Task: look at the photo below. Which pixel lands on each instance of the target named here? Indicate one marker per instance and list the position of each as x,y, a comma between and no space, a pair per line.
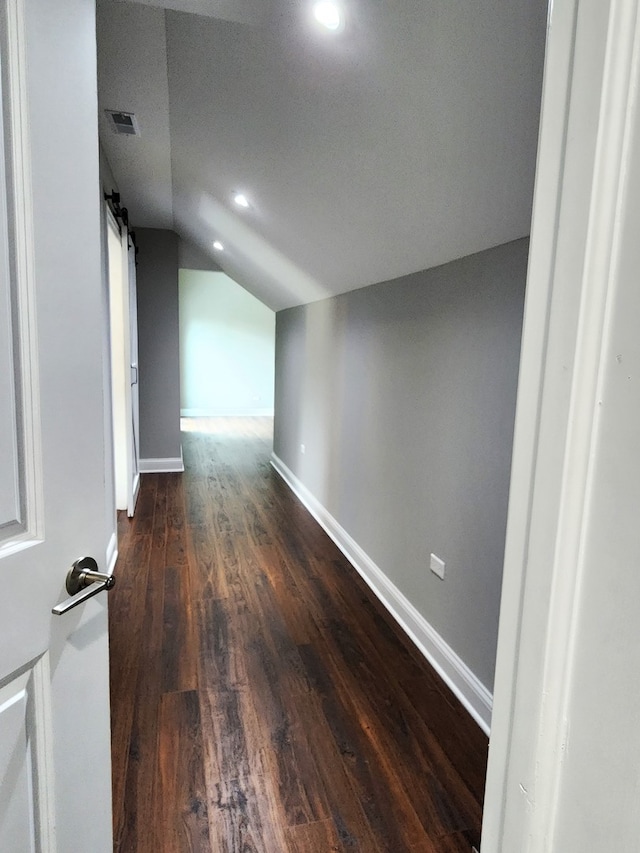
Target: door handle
135,367
83,582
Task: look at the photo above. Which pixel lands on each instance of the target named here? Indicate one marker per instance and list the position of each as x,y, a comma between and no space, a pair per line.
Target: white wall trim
112,553
227,413
165,465
452,669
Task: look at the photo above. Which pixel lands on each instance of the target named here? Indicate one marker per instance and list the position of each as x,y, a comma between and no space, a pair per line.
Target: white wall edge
226,413
134,494
112,553
168,465
475,697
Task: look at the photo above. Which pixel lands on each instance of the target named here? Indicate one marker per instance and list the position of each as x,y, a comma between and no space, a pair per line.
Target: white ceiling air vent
123,123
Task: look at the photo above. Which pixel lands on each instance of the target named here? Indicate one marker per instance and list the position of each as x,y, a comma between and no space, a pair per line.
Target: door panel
26,817
20,462
54,703
18,806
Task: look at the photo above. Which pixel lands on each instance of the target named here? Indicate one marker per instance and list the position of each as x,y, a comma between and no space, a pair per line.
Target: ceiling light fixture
328,13
218,246
241,200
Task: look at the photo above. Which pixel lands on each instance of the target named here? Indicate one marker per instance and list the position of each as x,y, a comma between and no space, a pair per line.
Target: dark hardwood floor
262,699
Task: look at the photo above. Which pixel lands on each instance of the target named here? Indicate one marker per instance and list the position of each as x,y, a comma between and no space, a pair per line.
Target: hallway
262,699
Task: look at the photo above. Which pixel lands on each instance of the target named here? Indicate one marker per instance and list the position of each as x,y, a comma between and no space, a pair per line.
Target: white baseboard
167,465
453,670
112,553
227,413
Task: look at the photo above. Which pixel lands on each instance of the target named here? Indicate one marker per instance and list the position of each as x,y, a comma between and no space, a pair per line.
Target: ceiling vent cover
123,123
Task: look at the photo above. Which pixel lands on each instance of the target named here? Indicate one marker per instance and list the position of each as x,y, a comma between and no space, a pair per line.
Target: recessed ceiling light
328,13
241,200
218,246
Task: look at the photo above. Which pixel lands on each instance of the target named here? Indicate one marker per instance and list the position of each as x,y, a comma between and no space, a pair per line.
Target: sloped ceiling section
402,142
132,77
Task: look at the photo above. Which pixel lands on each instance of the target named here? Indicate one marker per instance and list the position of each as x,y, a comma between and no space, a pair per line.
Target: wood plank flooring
262,699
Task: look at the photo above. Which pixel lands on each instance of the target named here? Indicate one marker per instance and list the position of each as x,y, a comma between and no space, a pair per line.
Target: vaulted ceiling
401,142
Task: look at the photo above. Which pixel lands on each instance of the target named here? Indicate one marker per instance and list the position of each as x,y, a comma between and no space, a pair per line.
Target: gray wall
403,394
107,178
158,352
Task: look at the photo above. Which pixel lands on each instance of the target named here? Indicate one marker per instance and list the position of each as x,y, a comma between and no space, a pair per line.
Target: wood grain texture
182,817
263,701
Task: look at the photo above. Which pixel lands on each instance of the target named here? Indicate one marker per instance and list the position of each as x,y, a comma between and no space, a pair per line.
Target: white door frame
590,101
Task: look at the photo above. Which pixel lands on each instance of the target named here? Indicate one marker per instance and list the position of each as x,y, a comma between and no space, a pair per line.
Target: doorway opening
227,348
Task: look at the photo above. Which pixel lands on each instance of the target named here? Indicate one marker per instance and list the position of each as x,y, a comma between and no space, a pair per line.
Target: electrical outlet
437,566
302,448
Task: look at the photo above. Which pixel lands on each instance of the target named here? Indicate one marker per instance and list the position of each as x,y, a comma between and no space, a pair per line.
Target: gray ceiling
403,142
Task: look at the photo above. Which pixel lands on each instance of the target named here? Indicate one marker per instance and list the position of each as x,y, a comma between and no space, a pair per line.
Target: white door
54,703
135,404
123,313
118,263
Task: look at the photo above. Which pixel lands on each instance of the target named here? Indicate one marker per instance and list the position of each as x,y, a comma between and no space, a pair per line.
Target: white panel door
54,702
120,358
135,396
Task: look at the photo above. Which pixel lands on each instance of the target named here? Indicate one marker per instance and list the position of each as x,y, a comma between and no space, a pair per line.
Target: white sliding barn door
120,359
54,702
135,395
123,311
